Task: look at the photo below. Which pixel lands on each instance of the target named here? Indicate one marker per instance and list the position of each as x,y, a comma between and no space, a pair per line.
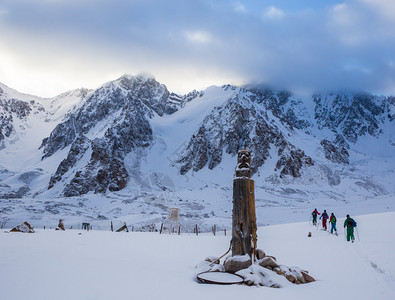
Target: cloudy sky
50,46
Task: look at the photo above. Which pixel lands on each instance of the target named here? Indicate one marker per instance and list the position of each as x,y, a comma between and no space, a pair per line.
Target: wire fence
162,227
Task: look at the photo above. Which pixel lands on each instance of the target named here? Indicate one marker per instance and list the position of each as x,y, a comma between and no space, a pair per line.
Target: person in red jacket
324,217
315,213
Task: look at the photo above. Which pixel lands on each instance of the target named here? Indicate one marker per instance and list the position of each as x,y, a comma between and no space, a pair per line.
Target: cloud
191,44
273,13
201,37
240,8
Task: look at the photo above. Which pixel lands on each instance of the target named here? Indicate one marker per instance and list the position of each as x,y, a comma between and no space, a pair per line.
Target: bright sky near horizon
50,46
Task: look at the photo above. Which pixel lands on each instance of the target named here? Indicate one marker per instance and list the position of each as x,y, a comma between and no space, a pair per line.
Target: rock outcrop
24,227
336,154
117,116
242,123
351,115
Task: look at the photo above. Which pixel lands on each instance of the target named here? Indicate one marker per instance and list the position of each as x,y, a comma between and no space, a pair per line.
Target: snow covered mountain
132,147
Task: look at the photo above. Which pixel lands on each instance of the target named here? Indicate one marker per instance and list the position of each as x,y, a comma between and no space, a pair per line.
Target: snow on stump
236,263
24,227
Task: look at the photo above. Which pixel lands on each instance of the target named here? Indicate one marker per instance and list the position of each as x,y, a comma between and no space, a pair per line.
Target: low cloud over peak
304,45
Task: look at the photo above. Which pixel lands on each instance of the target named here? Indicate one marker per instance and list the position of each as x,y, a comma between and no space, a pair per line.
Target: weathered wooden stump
244,237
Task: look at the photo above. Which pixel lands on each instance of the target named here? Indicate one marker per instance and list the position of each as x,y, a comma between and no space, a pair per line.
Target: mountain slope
113,121
134,147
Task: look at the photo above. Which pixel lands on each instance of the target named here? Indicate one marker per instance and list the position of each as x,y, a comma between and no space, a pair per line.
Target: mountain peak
141,75
140,78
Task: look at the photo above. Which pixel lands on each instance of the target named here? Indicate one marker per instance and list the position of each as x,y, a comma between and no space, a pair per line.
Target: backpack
351,223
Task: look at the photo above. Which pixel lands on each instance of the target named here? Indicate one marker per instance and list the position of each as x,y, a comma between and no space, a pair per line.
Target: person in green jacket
332,221
350,224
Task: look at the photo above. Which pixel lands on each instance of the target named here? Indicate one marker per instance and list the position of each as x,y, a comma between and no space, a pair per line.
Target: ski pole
356,229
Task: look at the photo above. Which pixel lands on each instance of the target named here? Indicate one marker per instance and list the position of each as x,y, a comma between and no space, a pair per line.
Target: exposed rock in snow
24,227
12,110
241,124
7,192
236,263
351,116
77,150
267,262
336,154
121,110
98,141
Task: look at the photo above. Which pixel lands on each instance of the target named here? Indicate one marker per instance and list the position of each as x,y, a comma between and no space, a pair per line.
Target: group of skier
349,223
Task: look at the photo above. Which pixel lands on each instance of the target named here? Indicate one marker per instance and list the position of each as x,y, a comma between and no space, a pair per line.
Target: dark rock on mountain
350,116
77,150
97,129
334,153
292,161
282,105
121,109
10,193
10,108
236,125
116,97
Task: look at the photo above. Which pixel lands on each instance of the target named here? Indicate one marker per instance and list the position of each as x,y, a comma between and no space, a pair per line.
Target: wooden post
161,228
112,227
179,229
244,237
225,231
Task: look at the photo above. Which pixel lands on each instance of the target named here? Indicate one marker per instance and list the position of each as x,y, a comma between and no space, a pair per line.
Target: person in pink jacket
324,218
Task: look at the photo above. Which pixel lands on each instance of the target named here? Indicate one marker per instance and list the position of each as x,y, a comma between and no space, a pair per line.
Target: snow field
105,265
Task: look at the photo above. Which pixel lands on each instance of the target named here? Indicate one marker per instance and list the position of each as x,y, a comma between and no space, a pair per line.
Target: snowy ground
104,265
